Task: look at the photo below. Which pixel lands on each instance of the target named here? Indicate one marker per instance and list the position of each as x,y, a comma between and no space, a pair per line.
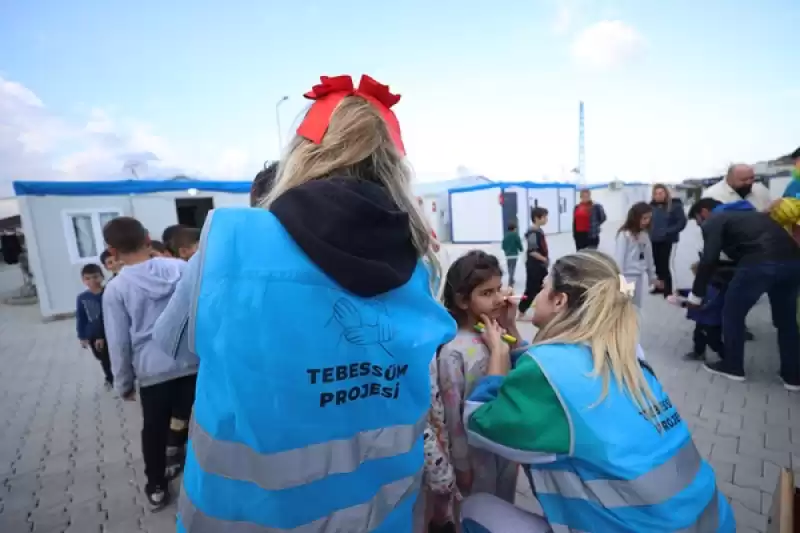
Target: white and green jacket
596,465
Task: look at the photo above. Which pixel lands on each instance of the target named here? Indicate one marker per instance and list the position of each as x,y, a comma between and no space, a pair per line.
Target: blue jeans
781,282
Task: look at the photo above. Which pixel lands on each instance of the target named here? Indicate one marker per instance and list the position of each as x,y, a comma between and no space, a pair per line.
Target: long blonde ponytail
600,314
357,144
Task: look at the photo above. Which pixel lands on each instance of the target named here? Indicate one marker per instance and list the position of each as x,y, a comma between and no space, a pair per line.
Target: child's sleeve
171,326
81,320
518,417
518,242
601,214
118,339
621,250
648,257
451,386
439,473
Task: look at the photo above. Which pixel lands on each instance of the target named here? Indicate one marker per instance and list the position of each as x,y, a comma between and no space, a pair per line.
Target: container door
546,197
476,216
566,200
510,209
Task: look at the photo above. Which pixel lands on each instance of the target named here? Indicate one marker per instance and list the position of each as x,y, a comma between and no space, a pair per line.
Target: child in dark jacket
708,317
512,246
537,259
89,319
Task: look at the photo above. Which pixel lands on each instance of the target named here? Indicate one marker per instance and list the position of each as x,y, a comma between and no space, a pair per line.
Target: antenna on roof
581,148
133,167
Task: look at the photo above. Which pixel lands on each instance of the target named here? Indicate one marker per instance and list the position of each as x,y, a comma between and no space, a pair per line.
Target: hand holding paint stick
516,298
479,327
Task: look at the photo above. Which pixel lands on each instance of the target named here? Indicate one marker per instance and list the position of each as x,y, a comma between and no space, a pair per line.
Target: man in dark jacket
669,220
767,262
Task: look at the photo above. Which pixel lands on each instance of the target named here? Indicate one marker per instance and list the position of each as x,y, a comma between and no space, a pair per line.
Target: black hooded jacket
747,238
352,230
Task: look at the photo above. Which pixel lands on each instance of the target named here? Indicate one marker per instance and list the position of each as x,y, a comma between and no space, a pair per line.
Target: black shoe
749,336
719,369
158,498
694,356
441,528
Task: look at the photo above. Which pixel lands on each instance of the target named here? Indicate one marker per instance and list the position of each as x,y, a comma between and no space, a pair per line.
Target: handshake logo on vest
363,325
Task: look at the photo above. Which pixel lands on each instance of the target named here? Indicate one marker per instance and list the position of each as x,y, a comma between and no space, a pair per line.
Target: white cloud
37,144
563,19
607,44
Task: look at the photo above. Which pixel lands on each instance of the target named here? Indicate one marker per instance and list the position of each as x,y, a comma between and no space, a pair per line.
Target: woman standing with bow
315,322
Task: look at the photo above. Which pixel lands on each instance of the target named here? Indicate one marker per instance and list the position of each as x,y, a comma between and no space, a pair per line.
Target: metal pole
278,123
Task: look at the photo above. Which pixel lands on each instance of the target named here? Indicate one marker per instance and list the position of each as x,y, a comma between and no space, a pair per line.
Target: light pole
278,122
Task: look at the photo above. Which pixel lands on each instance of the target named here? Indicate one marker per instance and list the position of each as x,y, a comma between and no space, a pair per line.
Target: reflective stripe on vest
363,517
292,468
707,522
652,488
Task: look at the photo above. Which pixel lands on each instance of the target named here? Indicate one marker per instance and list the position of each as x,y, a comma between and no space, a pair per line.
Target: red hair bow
331,91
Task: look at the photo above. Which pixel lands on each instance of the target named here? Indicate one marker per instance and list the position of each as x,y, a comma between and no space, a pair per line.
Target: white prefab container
433,199
481,214
63,223
618,197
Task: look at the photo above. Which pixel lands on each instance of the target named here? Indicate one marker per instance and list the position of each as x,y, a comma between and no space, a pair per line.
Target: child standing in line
157,249
184,241
89,319
634,252
110,263
512,246
131,305
474,293
537,259
168,234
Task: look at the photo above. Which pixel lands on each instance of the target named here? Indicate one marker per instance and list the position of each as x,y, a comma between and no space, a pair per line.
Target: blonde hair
667,193
357,144
600,315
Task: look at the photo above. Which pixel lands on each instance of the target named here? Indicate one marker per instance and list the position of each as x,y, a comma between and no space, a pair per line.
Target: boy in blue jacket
708,317
89,319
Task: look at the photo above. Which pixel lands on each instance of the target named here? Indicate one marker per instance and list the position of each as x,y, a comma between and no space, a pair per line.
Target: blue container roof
520,184
124,187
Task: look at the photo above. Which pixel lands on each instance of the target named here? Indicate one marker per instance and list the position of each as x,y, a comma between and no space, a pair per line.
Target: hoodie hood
156,277
739,205
352,230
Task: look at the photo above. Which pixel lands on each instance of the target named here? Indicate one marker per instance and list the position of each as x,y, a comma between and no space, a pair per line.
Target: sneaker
158,498
719,369
694,356
789,386
108,385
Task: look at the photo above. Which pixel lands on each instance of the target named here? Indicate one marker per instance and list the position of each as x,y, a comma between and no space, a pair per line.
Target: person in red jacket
586,221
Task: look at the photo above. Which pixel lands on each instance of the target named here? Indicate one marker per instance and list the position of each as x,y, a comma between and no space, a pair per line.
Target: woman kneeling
604,448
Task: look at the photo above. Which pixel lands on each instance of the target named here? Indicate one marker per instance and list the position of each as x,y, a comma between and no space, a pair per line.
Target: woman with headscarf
315,322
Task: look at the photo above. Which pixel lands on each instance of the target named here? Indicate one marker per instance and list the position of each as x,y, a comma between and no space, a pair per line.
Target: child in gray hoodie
633,251
132,303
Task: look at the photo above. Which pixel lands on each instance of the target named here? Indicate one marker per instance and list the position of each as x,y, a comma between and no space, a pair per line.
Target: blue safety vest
622,474
311,402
